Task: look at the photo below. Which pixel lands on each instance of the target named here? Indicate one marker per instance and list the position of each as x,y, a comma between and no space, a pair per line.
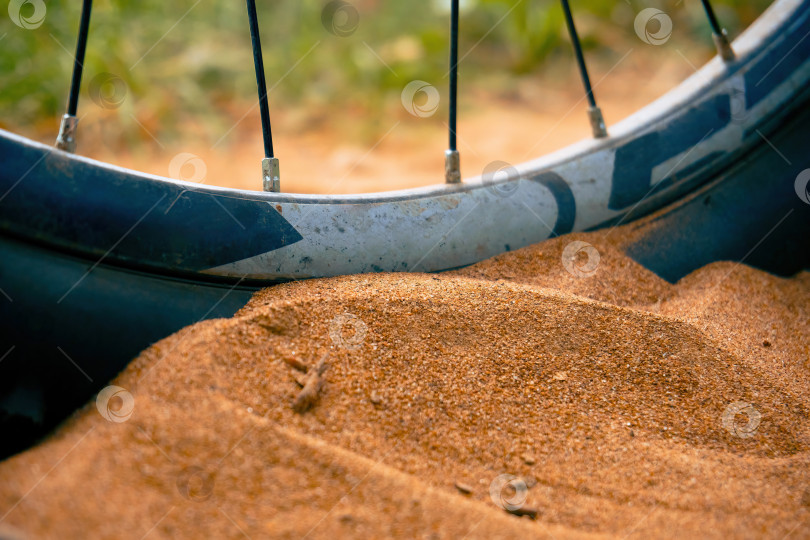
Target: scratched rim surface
121,217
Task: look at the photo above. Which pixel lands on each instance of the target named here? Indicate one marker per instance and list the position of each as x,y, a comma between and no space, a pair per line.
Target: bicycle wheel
99,258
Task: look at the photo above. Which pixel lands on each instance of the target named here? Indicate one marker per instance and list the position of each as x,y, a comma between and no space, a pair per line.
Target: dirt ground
614,405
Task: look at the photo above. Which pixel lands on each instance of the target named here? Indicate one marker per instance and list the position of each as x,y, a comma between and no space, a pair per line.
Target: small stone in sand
466,489
529,511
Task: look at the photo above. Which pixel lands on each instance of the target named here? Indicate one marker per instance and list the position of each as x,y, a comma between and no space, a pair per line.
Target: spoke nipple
66,140
723,46
597,122
271,180
452,167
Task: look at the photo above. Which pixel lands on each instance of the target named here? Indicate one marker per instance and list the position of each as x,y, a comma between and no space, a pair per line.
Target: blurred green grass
191,60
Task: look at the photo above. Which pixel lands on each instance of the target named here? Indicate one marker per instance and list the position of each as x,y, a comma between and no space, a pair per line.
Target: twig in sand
312,386
295,363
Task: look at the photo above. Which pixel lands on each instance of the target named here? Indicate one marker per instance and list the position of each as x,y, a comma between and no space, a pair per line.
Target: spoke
594,112
270,165
66,140
719,34
452,168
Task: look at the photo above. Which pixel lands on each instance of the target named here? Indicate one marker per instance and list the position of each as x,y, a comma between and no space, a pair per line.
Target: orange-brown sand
622,406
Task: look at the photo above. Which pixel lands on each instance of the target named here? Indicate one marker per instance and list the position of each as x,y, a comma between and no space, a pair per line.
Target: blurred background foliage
189,63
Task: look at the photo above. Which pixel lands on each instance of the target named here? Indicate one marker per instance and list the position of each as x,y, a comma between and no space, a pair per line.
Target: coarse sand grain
619,405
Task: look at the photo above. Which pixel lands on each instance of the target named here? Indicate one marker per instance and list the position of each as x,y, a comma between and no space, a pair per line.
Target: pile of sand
620,405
